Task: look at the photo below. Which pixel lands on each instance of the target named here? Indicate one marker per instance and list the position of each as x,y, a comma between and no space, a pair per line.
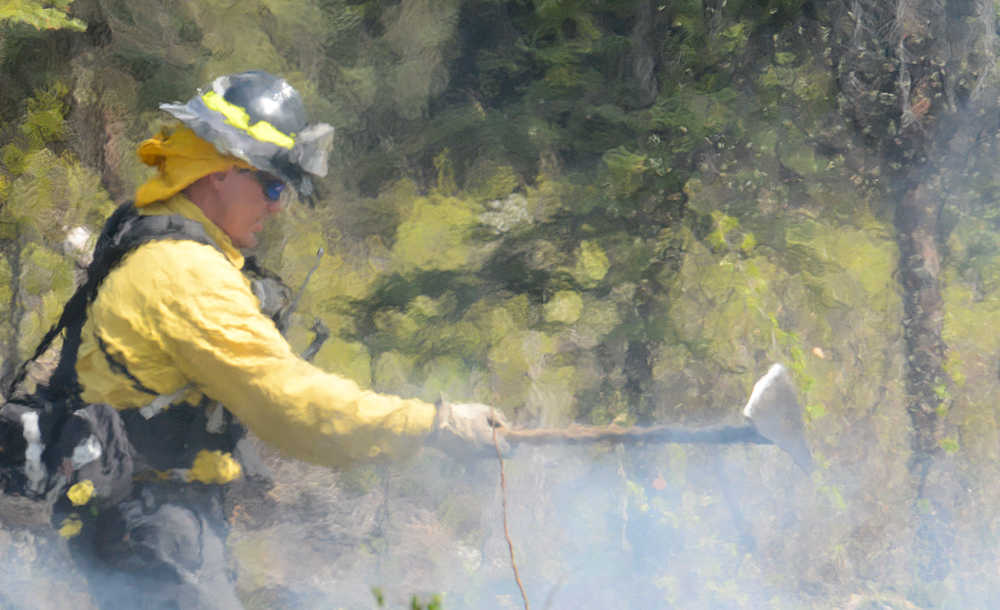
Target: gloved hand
467,428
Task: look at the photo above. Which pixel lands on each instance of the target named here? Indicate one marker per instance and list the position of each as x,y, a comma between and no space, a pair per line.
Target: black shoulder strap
124,231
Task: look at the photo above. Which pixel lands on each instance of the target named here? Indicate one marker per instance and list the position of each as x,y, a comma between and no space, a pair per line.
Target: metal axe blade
774,411
773,416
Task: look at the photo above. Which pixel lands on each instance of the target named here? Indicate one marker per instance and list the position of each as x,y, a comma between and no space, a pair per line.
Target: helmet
260,118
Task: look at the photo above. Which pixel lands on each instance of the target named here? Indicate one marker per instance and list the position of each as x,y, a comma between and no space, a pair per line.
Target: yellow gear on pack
70,527
214,467
180,158
178,312
81,492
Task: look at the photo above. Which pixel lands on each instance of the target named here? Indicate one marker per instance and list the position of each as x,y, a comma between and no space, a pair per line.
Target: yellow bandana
180,158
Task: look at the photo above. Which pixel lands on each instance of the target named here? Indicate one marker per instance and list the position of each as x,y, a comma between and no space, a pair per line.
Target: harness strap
121,369
123,232
45,426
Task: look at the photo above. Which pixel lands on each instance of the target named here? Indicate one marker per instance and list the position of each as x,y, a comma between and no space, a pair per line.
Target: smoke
35,570
602,525
592,526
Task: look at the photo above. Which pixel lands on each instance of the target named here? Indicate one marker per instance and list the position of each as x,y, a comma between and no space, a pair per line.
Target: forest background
581,211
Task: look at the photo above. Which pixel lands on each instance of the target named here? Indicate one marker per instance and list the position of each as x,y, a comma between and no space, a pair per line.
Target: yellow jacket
179,312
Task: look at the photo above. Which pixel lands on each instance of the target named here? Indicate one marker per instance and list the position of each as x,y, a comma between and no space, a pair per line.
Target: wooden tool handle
662,434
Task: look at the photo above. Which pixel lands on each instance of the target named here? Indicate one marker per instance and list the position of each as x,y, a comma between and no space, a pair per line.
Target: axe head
774,410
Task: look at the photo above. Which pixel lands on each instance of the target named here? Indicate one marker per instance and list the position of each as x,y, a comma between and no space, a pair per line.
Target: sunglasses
272,187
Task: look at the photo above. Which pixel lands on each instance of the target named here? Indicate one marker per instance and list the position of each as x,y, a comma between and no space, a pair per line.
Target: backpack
51,439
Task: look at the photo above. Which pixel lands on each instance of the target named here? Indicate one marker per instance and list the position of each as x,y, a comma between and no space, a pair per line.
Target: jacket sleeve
209,323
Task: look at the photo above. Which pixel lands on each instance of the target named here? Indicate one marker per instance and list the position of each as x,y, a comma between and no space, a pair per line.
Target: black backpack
50,439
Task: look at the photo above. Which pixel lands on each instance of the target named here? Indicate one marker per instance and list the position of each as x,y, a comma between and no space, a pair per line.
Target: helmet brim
307,157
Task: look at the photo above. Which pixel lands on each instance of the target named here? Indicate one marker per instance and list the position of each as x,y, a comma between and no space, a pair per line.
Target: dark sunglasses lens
273,188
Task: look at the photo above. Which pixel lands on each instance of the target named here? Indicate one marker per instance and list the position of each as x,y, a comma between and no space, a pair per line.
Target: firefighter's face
247,199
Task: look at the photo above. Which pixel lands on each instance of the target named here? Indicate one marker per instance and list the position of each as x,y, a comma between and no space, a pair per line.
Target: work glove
467,429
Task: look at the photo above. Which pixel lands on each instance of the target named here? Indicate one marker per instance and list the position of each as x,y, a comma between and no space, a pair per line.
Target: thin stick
668,434
506,530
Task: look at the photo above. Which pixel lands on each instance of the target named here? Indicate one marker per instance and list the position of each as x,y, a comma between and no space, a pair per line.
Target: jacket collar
181,205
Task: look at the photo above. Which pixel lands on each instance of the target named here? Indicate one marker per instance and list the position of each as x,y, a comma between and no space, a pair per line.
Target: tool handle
661,434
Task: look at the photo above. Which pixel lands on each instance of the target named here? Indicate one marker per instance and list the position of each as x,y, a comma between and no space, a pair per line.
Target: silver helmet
259,118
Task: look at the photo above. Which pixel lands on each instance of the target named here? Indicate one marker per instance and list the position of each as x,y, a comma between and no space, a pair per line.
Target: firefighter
175,341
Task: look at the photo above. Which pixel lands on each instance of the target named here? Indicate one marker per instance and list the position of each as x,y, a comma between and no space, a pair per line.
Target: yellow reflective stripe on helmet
266,132
238,117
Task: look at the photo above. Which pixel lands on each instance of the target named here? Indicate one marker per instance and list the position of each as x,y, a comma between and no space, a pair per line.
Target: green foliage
814,411
49,192
13,160
445,174
487,180
625,170
690,116
44,271
796,154
435,234
591,264
807,84
6,291
52,194
434,603
45,283
46,112
724,226
420,34
349,359
43,123
564,307
41,14
393,371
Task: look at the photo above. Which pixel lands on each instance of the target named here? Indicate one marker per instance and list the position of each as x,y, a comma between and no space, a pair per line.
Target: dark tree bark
911,76
643,55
